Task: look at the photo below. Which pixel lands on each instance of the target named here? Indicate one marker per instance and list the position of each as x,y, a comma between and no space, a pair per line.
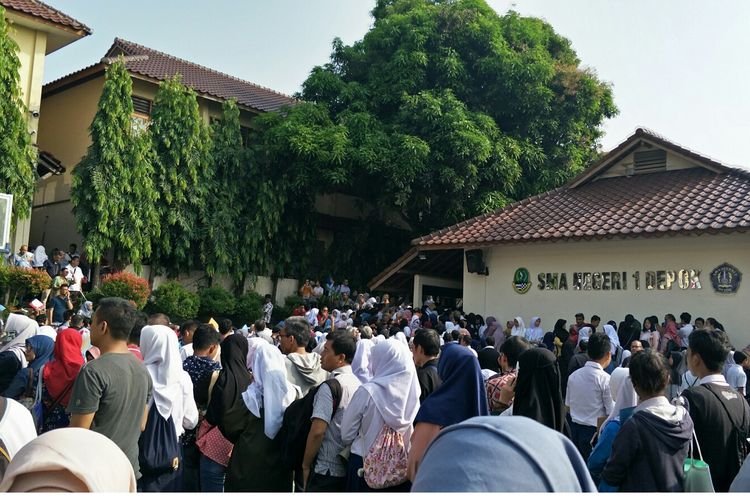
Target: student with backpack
720,414
378,421
323,469
172,411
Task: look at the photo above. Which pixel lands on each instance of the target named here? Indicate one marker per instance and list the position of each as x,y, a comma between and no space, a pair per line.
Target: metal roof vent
646,162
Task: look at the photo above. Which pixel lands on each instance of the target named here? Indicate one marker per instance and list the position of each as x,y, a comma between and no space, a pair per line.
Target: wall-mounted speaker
475,262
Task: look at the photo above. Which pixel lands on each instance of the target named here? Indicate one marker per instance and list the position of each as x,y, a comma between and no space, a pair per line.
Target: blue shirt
59,306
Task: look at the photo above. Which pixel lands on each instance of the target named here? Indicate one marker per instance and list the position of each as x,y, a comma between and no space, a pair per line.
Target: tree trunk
95,277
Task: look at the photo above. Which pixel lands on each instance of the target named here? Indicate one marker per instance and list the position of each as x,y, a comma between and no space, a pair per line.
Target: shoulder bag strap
214,378
30,383
729,414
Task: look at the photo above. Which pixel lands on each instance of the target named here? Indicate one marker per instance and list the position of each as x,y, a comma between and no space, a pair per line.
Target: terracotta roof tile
159,66
690,200
46,12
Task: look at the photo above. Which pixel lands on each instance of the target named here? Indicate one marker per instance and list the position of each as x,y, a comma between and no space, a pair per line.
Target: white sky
678,67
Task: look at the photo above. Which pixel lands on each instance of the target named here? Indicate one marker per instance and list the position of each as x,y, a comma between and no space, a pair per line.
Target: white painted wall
420,280
494,294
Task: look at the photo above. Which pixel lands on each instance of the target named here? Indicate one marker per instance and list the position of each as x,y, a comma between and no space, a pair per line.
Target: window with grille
142,106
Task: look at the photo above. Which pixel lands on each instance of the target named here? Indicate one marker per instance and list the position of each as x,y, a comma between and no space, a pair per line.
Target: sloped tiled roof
695,200
160,66
42,10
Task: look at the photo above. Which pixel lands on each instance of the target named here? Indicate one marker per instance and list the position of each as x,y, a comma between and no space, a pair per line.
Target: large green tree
114,200
181,143
443,111
16,154
221,252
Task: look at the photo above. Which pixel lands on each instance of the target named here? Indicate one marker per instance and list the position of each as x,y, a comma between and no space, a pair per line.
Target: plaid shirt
494,388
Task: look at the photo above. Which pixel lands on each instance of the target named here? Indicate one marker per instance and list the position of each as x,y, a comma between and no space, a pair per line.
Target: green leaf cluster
17,156
443,111
113,192
176,301
182,175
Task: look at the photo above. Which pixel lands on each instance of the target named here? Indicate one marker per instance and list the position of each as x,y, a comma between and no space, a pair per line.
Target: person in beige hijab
70,460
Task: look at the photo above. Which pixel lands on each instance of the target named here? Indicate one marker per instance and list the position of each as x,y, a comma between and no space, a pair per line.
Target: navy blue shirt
59,306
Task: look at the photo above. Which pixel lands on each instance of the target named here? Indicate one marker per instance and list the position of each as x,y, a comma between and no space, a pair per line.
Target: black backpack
735,454
158,449
296,425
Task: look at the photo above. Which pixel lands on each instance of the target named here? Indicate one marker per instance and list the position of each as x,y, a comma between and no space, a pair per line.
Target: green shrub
215,302
249,308
127,286
18,282
176,301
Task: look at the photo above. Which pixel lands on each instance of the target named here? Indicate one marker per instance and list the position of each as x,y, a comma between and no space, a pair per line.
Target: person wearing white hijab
312,317
401,337
626,400
534,332
583,334
24,328
48,331
173,388
613,338
70,460
390,398
252,346
40,257
256,463
519,329
361,361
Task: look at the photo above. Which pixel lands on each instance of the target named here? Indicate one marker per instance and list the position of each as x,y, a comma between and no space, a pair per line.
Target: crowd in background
370,395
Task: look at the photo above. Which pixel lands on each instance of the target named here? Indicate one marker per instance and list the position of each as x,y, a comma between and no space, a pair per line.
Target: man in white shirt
261,330
322,468
588,398
685,329
344,288
74,274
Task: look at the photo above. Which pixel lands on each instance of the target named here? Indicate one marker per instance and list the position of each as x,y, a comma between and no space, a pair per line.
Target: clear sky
678,67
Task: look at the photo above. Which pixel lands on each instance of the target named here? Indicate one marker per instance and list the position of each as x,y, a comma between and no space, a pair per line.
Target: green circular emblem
521,280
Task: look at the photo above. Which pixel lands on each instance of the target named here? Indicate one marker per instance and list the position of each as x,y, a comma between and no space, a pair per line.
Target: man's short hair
447,337
649,372
670,317
298,328
595,318
599,346
739,357
189,326
159,319
141,320
580,315
428,340
119,315
712,347
583,345
204,337
76,321
225,325
455,334
465,338
513,348
490,341
259,325
342,342
685,317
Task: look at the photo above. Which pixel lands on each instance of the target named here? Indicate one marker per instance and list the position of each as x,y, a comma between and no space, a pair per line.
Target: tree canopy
113,194
443,111
16,154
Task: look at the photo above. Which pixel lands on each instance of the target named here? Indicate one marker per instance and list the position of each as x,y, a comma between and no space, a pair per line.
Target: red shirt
136,351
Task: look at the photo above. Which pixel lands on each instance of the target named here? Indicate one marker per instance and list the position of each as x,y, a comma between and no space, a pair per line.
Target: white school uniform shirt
76,275
588,395
683,333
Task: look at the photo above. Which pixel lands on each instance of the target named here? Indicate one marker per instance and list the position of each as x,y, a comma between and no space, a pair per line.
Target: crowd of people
379,396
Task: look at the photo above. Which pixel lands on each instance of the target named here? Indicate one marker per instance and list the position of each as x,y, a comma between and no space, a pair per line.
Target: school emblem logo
726,278
521,280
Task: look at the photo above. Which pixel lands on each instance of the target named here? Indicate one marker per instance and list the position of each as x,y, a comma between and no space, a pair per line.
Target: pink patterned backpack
386,463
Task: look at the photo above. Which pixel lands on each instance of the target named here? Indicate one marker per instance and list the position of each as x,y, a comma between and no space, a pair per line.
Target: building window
245,133
142,106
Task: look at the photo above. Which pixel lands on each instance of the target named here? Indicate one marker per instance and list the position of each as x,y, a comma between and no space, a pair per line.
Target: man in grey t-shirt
324,442
111,393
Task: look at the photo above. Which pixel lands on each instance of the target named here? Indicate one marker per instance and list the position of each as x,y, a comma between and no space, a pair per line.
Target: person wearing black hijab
628,330
226,397
537,389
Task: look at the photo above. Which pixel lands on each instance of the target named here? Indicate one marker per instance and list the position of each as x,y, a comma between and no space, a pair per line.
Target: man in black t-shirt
720,414
425,350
